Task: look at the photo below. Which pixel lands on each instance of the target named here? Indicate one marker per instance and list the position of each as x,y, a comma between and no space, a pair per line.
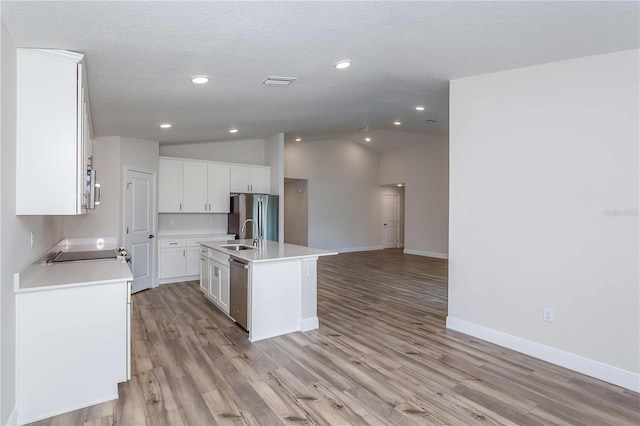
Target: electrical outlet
547,314
31,239
310,270
172,222
211,221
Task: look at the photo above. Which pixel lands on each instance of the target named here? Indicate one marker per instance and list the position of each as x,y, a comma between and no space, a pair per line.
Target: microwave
91,191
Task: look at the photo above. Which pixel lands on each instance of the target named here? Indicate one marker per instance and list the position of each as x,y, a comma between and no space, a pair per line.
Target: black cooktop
73,256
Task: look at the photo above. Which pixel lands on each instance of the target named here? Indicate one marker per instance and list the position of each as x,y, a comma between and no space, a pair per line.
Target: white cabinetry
169,185
250,179
192,186
214,277
53,134
72,347
173,259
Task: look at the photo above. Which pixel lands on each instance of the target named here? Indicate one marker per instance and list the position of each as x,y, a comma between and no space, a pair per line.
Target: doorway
393,216
139,226
296,211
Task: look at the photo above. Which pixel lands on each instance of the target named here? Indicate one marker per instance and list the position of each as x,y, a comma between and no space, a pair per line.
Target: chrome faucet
255,230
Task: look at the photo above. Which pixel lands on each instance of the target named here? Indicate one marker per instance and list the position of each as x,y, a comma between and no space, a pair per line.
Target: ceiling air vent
280,80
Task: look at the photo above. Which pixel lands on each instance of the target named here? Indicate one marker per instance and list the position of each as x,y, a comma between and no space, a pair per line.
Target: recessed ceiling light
233,131
397,123
367,139
298,139
165,126
419,108
400,184
199,79
343,64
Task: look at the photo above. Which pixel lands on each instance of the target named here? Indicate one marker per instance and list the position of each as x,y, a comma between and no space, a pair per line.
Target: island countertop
267,251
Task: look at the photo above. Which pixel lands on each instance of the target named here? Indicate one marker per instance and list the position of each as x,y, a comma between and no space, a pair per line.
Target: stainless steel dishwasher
238,291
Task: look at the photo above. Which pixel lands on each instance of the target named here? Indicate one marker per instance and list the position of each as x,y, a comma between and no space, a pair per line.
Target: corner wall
344,207
424,170
236,151
544,212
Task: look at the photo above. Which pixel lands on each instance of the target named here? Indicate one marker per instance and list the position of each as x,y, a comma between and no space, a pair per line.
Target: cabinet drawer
219,257
193,242
171,243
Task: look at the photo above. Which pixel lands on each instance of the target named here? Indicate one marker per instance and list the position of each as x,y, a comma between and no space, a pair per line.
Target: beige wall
544,210
344,207
424,170
296,212
237,151
16,252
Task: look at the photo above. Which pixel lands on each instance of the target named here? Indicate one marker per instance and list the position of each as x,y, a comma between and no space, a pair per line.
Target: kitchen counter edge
267,251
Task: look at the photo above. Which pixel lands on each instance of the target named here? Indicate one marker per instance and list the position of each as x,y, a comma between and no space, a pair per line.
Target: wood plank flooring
382,356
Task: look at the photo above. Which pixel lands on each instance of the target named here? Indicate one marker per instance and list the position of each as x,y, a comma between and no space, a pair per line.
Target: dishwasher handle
239,263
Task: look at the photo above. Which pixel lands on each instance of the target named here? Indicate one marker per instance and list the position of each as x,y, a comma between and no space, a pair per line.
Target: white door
139,227
390,221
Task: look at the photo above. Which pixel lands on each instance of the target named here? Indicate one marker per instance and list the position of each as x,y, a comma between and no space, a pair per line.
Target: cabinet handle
209,206
180,206
173,244
184,253
205,207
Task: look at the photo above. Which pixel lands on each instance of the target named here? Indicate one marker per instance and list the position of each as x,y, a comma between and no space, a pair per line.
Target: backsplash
214,222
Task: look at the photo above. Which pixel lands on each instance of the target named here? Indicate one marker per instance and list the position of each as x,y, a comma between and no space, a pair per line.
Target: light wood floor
382,355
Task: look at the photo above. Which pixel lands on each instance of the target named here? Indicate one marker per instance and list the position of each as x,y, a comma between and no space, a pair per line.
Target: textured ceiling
140,56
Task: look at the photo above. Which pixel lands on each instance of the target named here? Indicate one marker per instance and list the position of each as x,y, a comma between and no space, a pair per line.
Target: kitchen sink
237,247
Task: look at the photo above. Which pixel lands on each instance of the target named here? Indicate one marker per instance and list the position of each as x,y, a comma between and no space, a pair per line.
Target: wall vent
279,80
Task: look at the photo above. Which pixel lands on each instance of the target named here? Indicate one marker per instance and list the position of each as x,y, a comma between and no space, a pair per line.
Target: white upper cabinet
188,186
218,188
170,186
250,179
53,134
194,187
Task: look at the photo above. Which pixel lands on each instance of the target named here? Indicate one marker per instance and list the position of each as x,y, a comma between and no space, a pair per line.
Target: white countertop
42,276
267,251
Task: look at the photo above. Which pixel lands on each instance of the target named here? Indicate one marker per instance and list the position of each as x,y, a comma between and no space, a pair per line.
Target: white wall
296,212
274,157
344,207
423,169
544,212
16,252
110,156
237,151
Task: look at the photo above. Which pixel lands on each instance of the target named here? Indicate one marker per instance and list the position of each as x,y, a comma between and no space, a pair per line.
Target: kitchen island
281,284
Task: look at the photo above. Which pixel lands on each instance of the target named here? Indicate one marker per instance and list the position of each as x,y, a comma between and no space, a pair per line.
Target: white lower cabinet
179,259
72,347
214,278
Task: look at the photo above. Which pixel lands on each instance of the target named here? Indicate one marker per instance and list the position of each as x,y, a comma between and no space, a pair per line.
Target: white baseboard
426,253
163,281
353,249
13,417
590,367
309,324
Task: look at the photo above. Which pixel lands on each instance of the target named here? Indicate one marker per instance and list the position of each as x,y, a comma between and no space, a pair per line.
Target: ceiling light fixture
419,108
397,123
233,131
400,184
200,79
343,64
298,139
367,139
165,126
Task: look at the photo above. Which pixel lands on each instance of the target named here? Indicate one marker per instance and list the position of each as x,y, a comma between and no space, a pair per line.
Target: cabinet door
218,188
204,275
172,262
215,281
224,290
169,186
193,261
240,179
194,187
260,180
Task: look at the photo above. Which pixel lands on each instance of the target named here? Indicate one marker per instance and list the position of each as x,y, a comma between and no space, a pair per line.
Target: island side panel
275,298
309,319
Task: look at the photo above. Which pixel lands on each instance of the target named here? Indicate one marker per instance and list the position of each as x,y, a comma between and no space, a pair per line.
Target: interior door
140,227
390,220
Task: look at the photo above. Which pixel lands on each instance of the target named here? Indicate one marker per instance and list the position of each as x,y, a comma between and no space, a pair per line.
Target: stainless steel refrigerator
260,207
